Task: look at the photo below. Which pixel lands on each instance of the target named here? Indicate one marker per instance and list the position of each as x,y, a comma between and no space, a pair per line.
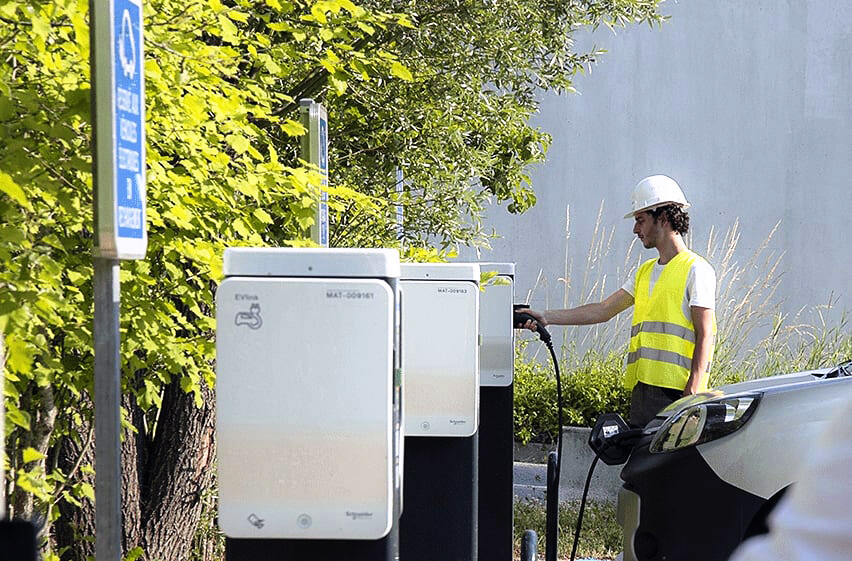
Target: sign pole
118,169
107,411
315,151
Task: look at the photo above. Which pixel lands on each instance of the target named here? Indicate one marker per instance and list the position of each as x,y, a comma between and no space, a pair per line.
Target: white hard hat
654,191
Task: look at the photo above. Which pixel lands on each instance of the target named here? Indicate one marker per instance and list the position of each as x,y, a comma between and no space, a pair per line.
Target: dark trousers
646,401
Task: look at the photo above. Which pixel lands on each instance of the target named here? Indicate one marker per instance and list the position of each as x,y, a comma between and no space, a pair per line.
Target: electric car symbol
255,521
250,318
127,46
707,471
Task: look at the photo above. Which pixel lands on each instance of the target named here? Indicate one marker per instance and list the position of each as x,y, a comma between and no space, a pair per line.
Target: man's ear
663,219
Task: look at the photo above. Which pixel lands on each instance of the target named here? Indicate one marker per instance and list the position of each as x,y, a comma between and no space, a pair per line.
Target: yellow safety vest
662,339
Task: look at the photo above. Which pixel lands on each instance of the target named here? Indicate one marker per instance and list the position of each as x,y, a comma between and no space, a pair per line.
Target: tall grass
755,336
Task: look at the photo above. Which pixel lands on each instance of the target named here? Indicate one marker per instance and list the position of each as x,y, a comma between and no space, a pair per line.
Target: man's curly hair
674,215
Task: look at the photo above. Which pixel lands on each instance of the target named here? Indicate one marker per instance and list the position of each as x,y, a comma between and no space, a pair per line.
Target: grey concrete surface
746,104
530,472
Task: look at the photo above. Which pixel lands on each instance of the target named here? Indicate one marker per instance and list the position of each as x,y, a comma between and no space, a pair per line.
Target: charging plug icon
250,318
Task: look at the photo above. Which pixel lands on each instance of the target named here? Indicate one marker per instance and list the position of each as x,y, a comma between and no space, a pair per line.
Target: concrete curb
531,475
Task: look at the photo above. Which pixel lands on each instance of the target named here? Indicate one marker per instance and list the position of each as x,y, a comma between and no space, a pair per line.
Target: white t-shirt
700,285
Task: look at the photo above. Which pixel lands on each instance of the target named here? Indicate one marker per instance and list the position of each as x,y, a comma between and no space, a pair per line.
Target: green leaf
87,491
134,554
31,455
229,30
18,417
263,216
238,16
8,186
400,71
238,142
293,128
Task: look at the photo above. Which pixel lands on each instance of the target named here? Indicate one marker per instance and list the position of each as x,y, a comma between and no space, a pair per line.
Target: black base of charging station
439,517
386,549
17,541
496,463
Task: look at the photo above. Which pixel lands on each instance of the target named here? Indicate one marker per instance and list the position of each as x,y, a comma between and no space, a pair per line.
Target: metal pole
551,532
107,411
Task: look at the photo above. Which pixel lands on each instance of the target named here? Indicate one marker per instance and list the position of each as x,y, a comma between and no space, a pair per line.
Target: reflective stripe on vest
662,338
660,356
663,327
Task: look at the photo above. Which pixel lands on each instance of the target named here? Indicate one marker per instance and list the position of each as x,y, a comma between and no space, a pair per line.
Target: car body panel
773,444
697,503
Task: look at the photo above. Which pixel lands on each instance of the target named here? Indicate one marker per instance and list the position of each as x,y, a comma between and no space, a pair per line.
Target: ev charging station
440,363
308,404
496,424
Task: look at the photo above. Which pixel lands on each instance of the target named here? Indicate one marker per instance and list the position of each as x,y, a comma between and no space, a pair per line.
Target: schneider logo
349,295
359,515
457,422
452,290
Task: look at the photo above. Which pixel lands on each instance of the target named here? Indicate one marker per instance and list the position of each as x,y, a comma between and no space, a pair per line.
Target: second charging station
440,360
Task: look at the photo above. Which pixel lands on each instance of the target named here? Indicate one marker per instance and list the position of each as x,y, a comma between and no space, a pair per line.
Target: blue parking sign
119,86
128,119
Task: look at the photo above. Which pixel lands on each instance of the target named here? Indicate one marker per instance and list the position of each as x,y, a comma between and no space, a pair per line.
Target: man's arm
702,319
586,314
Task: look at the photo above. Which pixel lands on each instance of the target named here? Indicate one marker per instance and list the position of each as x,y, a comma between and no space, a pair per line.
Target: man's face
647,230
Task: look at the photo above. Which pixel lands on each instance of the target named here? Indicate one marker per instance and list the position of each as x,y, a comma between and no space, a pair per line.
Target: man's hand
692,387
530,324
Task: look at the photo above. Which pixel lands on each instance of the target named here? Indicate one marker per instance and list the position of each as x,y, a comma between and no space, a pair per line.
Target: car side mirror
612,439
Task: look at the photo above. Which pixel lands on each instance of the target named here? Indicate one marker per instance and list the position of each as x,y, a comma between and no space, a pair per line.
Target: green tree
443,92
215,178
457,124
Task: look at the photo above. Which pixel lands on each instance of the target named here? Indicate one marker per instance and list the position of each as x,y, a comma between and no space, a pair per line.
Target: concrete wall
746,104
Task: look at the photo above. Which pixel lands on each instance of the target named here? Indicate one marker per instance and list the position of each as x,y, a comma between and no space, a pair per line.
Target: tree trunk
163,479
74,531
179,471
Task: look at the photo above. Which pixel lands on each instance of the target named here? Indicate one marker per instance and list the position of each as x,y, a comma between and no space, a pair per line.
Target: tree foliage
441,90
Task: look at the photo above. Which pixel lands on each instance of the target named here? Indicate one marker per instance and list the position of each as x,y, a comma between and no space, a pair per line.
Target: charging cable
624,438
520,319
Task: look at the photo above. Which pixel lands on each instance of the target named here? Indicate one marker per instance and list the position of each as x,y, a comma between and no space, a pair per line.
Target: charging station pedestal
496,424
308,404
440,358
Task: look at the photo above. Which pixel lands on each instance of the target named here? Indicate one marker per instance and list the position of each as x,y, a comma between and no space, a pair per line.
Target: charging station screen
304,407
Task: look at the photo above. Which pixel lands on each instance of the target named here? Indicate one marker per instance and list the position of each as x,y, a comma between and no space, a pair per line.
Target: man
673,327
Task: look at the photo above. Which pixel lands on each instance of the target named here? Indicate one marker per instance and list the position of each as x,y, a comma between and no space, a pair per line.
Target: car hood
759,384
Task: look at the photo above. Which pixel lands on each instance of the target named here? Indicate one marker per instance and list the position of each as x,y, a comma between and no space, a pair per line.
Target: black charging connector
519,320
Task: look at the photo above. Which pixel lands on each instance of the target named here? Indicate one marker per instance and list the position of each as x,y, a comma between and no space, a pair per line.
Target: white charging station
307,393
496,424
440,359
497,353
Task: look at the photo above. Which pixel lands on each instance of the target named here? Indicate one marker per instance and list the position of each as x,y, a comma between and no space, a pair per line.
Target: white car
708,469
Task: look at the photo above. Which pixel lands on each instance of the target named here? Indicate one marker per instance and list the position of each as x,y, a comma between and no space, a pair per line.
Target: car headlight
704,422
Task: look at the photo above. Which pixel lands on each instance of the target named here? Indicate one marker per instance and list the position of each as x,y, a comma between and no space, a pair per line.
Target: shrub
591,385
